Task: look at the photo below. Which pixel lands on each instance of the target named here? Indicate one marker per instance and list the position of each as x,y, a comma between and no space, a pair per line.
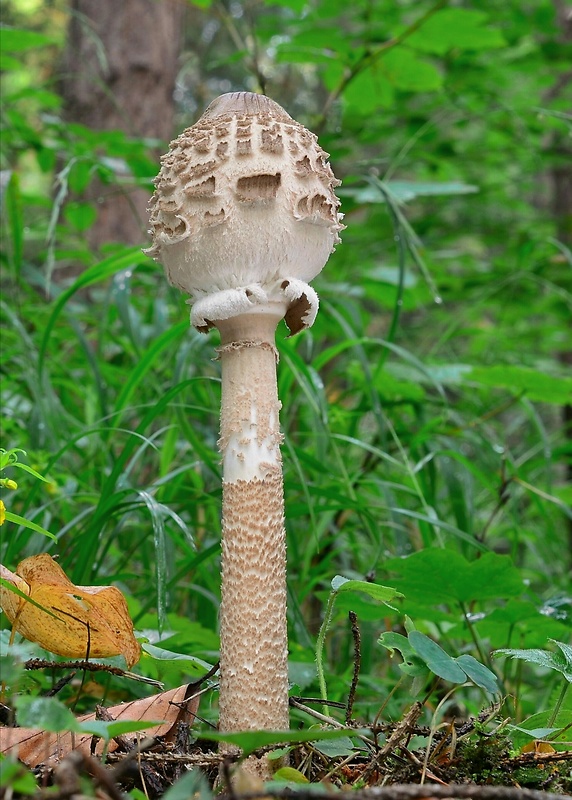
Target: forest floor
461,759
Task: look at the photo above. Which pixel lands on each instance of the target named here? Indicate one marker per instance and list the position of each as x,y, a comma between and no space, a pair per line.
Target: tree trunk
561,175
119,71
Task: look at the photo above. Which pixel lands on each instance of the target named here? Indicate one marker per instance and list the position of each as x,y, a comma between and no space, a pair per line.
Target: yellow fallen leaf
73,621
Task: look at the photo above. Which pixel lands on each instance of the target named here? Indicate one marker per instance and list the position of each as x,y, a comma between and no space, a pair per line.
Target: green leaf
413,665
14,40
406,71
479,674
30,471
543,658
16,779
80,216
382,594
249,741
8,63
44,712
566,652
368,91
559,727
337,748
436,575
290,774
456,29
108,730
26,523
533,384
167,658
192,784
436,658
295,5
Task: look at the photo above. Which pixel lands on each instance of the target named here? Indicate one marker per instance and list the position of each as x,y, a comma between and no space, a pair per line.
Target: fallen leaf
33,746
72,621
538,747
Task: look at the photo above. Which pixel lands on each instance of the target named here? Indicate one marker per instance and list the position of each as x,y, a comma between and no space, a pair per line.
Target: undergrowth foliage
424,444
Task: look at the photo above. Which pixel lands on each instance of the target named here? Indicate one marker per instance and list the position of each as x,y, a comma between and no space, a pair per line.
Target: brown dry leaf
33,746
84,620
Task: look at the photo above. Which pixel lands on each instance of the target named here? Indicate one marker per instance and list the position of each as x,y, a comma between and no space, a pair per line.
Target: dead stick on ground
416,792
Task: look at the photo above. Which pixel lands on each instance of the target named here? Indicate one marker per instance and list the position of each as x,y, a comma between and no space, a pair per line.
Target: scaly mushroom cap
244,212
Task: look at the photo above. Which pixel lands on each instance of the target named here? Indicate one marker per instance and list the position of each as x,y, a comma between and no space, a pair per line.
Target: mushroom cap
244,201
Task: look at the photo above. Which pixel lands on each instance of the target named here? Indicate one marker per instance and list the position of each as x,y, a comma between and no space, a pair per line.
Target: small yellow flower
10,484
2,513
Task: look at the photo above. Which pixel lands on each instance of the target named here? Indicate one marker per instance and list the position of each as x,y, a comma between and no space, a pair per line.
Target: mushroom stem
253,664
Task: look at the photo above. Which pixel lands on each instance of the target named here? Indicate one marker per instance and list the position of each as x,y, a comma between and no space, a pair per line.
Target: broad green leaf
435,576
566,651
337,748
396,641
534,733
405,70
560,727
14,40
370,90
293,775
456,29
295,5
532,383
8,63
16,779
166,658
383,594
108,730
249,741
412,665
436,658
44,712
192,784
81,216
543,658
479,674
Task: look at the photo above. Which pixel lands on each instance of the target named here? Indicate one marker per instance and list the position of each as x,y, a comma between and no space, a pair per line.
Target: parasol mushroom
243,216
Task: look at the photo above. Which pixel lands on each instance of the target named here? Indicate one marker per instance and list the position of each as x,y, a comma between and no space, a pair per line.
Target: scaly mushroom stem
253,669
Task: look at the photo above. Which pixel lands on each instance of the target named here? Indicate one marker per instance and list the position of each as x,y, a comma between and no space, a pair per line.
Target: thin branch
370,57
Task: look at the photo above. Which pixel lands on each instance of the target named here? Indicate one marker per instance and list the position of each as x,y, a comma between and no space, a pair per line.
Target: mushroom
243,216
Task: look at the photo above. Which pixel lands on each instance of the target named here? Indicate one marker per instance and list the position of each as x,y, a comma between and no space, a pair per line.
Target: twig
415,792
402,731
89,666
370,57
60,684
357,664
